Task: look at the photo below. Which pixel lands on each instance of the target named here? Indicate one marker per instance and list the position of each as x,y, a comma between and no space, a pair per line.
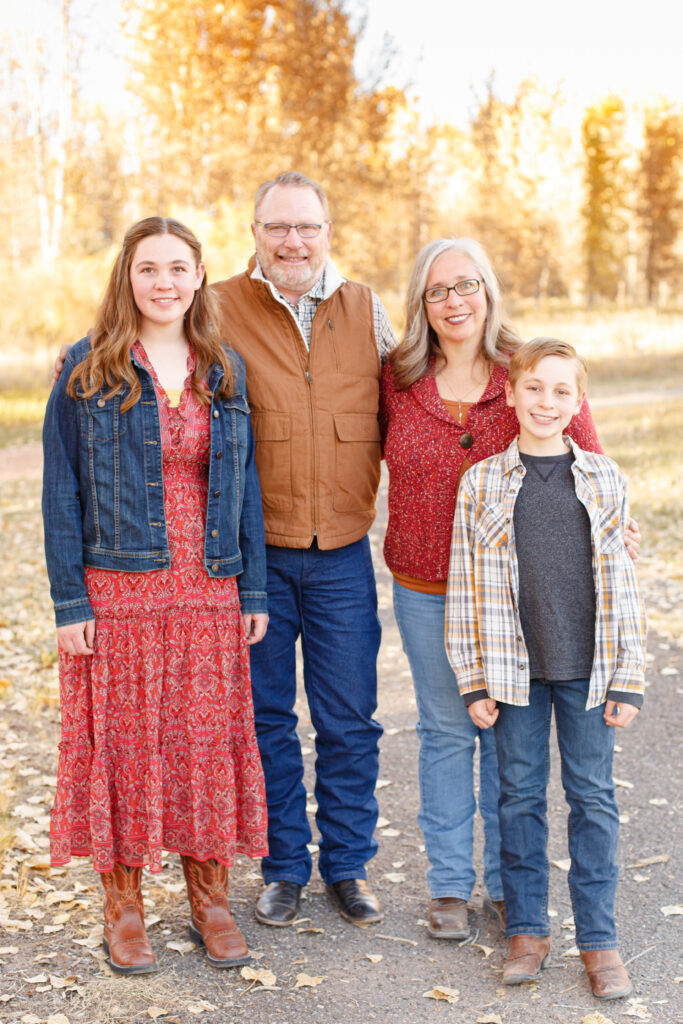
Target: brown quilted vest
314,414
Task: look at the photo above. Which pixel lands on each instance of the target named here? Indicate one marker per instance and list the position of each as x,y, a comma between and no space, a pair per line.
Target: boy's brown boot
527,955
607,975
212,924
125,939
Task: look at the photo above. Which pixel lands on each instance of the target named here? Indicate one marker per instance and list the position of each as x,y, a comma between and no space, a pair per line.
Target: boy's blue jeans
586,745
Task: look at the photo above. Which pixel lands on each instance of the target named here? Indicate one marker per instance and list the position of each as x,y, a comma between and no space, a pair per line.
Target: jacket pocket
492,526
104,421
272,432
237,411
357,461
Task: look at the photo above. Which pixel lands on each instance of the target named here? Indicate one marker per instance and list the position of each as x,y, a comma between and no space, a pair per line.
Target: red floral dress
158,748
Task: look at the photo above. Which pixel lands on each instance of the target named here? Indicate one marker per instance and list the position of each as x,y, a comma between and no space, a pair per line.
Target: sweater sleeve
581,429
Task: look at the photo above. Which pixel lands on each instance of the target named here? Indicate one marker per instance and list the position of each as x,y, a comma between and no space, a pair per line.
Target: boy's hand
632,539
619,714
483,712
59,363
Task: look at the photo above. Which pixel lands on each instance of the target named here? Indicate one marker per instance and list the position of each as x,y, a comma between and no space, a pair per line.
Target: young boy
543,611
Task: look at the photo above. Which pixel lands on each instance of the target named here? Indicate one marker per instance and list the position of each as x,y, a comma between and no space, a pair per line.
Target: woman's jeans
586,745
446,767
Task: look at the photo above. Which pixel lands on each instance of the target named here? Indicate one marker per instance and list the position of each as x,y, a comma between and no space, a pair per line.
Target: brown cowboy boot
125,939
212,924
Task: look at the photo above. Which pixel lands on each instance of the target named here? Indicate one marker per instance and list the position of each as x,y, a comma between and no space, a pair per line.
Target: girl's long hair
118,321
411,358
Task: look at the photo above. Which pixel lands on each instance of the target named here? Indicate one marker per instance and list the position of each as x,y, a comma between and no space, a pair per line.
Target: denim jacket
103,490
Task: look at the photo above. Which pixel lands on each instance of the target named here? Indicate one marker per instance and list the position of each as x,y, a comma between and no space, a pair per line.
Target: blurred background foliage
576,208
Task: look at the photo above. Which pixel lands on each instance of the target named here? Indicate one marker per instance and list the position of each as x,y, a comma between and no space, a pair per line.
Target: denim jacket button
219,455
214,533
215,414
214,567
101,403
216,494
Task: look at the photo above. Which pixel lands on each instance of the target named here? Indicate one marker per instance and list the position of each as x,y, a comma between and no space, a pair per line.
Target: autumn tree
660,205
606,206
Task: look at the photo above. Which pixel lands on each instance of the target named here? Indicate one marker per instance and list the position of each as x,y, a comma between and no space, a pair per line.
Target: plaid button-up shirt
484,636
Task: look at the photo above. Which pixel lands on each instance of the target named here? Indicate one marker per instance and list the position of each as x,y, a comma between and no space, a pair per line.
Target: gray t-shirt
556,588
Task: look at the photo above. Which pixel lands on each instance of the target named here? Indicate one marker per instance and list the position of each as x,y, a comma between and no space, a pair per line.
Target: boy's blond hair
530,354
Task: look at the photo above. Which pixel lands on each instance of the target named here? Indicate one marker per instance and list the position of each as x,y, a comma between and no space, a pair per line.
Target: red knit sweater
423,455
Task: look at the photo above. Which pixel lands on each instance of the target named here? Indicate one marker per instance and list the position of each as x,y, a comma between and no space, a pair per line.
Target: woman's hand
619,714
483,712
255,626
77,638
632,539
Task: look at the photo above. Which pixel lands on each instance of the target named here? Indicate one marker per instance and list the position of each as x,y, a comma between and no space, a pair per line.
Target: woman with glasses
443,408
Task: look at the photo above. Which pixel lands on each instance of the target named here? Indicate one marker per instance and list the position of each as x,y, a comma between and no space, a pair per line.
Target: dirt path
50,919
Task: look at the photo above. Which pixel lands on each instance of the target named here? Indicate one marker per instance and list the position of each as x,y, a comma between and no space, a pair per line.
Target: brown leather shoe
497,908
527,955
356,902
125,939
447,918
211,923
607,975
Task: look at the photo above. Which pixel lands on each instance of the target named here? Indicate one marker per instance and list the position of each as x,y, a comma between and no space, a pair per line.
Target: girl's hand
77,638
255,626
619,714
483,712
632,539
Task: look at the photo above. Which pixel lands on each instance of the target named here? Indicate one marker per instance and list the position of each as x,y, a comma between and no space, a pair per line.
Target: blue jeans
329,599
586,745
446,766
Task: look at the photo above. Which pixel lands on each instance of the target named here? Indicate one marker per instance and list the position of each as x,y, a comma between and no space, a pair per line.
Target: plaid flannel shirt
484,636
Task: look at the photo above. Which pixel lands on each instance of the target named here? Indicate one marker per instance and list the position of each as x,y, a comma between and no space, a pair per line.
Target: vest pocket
357,455
272,432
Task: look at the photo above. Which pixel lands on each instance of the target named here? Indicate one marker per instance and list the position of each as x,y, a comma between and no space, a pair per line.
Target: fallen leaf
596,1018
641,878
181,947
50,929
38,979
623,783
486,950
63,917
61,982
58,1018
449,995
572,951
201,1007
672,910
261,975
311,930
9,950
658,801
30,1018
307,981
659,858
155,1012
59,896
5,998
678,980
563,865
374,958
390,833
636,1008
382,823
669,670
394,876
382,783
489,1018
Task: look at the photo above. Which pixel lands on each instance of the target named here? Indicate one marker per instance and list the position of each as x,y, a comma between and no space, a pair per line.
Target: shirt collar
327,284
512,459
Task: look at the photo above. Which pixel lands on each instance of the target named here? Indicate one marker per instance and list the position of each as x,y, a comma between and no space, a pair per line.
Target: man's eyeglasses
277,230
440,293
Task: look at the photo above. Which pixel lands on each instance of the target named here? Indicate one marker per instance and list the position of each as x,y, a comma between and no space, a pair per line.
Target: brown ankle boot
125,939
212,924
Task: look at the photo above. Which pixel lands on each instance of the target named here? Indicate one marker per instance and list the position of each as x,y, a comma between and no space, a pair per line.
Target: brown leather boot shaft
212,923
125,939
